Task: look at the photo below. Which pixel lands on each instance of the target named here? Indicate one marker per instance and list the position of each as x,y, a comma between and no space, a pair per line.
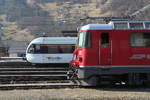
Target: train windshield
51,48
84,40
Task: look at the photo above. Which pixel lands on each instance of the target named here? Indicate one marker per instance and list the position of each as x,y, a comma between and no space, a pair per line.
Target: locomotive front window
35,49
81,39
31,49
84,40
140,39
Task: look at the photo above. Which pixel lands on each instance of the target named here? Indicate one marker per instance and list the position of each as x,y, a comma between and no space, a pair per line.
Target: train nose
33,58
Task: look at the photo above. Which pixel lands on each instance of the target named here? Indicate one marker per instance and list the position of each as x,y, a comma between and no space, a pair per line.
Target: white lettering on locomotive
140,56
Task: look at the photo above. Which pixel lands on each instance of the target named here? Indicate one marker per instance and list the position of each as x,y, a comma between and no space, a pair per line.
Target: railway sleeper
15,79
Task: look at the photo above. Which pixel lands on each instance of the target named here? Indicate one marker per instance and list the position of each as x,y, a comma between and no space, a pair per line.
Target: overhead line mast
104,19
98,19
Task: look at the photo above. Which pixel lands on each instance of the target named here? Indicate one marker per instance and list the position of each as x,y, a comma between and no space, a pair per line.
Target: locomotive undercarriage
98,76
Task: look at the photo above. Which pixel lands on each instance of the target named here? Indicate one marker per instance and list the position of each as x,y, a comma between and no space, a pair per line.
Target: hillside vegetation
27,19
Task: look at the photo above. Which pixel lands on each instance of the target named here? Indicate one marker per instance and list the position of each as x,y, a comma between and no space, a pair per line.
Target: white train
44,50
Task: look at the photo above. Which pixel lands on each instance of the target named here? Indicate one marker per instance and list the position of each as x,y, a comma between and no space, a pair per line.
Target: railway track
37,86
16,75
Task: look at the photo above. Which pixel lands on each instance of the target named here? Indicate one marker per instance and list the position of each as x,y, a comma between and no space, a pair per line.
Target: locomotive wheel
134,79
92,81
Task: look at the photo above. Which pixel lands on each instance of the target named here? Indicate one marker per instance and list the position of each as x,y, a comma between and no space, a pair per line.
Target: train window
121,25
84,40
43,49
147,25
140,39
36,49
81,39
58,48
31,49
51,48
88,40
66,48
105,39
136,25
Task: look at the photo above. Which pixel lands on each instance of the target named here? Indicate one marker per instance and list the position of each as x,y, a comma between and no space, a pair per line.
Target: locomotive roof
127,25
97,27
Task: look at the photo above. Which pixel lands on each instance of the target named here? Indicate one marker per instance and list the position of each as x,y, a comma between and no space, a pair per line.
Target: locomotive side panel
120,48
111,47
139,43
129,47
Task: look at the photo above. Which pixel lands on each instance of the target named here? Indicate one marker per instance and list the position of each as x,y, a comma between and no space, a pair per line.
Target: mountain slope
32,18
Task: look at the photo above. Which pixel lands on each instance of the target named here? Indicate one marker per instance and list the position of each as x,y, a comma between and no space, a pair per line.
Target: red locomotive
117,52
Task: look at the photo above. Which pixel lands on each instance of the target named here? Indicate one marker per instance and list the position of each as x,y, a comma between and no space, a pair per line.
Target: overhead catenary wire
140,11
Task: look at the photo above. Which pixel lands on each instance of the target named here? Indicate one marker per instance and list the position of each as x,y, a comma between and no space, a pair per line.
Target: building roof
14,44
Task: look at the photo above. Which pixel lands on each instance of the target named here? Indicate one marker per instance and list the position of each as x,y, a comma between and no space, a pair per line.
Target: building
15,48
71,33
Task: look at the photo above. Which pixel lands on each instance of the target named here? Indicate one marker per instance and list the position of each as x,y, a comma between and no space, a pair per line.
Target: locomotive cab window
105,39
35,48
84,40
140,40
81,39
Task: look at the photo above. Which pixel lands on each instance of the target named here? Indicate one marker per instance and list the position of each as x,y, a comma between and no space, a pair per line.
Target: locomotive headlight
79,59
